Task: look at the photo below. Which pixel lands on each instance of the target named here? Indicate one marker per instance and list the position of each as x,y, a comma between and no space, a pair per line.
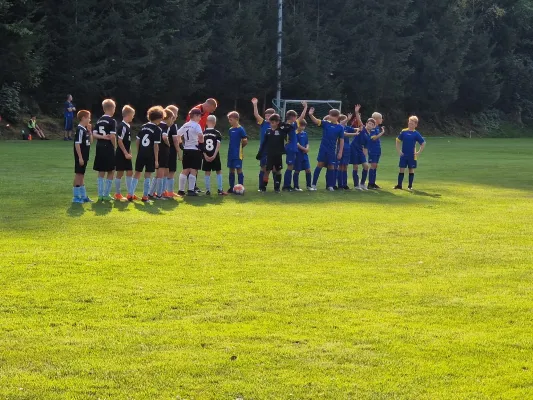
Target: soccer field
344,295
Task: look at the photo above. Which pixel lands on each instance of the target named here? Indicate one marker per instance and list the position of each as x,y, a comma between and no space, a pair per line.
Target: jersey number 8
209,146
146,140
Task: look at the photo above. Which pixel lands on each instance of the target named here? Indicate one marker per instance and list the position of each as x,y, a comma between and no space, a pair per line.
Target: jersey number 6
146,140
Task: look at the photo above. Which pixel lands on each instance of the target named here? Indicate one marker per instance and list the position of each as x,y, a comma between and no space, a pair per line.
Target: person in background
69,117
35,129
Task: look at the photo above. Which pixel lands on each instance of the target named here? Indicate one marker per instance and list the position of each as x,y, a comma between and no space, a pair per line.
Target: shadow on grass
426,194
102,208
75,210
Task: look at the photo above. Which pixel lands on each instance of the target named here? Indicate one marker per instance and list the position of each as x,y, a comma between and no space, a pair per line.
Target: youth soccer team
160,144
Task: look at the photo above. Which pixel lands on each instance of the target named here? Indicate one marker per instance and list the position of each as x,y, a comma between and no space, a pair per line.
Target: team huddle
160,144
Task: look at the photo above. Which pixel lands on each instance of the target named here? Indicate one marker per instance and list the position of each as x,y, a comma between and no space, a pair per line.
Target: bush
10,101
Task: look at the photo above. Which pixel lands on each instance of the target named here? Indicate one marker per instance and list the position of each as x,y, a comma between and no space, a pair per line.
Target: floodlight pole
280,42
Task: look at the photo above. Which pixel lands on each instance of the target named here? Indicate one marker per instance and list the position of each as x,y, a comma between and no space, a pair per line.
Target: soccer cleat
276,190
129,197
208,193
346,187
263,189
359,187
181,193
377,186
398,187
174,194
364,187
287,189
135,197
335,188
77,200
160,198
192,193
331,189
410,188
312,188
297,189
151,196
230,190
100,198
198,190
87,200
371,186
109,198
119,197
222,193
145,199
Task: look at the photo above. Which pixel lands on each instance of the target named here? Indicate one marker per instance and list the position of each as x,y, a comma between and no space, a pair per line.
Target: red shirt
203,121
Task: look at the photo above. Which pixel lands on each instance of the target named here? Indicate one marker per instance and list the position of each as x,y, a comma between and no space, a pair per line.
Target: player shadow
150,207
76,210
122,206
426,194
101,208
202,200
166,205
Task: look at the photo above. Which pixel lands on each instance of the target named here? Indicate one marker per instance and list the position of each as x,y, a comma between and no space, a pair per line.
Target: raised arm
257,116
304,111
315,120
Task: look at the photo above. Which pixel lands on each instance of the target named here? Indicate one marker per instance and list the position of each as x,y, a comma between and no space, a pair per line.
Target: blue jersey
303,140
374,146
331,133
235,143
360,141
68,114
409,140
263,128
292,143
346,148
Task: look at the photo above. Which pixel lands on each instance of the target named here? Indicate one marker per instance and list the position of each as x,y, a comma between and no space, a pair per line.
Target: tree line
434,58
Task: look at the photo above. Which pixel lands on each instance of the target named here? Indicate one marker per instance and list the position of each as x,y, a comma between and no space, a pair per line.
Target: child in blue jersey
408,154
359,153
342,171
302,157
332,133
291,148
374,150
264,126
237,141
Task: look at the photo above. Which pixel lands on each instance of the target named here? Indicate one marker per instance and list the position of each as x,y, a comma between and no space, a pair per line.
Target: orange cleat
135,197
168,195
145,199
129,197
119,197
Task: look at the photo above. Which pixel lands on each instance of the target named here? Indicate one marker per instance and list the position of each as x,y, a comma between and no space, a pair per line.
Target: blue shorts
374,158
290,158
235,164
68,123
345,160
327,156
408,162
357,157
302,162
263,161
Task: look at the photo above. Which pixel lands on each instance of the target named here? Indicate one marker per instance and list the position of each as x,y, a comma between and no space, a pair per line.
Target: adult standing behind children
69,117
207,108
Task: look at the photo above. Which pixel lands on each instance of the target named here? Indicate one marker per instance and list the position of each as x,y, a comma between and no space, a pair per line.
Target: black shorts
104,160
274,163
145,162
192,159
163,155
172,160
121,163
78,169
214,165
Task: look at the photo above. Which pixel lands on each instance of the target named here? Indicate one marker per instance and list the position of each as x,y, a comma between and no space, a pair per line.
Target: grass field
373,295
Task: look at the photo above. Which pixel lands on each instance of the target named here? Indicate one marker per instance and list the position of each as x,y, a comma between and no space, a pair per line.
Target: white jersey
190,132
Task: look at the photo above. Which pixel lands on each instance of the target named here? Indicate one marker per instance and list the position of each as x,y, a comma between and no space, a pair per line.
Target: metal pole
280,42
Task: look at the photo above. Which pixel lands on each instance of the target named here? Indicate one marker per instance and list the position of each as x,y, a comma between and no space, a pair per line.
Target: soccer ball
238,189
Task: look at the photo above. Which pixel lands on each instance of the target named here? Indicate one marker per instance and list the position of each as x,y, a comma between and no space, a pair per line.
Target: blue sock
338,175
207,180
128,183
375,176
133,186
308,178
219,182
355,176
152,187
316,175
117,185
170,185
345,178
363,176
287,178
400,178
75,192
411,179
261,176
241,179
108,184
100,187
160,188
296,178
371,177
146,188
231,180
83,192
330,178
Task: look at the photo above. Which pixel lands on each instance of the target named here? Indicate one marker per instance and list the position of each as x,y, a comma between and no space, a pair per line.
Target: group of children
160,144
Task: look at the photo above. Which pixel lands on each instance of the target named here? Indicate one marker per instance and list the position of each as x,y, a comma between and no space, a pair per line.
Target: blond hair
108,104
127,110
174,109
377,115
212,119
413,118
234,114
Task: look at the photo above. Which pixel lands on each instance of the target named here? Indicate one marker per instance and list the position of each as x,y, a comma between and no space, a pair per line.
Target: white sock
192,182
183,181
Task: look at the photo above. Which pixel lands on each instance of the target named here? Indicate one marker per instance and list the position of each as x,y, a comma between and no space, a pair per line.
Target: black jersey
124,133
172,132
274,141
211,138
84,140
105,126
164,132
149,135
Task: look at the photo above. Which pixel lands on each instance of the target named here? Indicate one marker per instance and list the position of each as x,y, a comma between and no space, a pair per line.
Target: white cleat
331,189
363,187
298,190
359,187
312,188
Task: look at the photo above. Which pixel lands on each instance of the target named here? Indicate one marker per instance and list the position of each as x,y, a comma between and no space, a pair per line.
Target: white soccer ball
238,189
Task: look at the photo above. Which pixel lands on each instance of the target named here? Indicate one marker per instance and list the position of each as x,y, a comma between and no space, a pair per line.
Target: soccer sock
330,178
146,188
345,178
207,179
277,181
411,179
308,179
375,176
355,176
170,185
160,183
261,175
316,175
231,180
363,176
100,187
371,174
75,192
220,183
117,185
287,178
296,179
241,179
108,184
83,192
128,183
400,178
152,188
338,176
133,186
192,182
182,182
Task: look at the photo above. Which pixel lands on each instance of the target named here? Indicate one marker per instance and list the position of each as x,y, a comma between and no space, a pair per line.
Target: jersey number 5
101,130
146,140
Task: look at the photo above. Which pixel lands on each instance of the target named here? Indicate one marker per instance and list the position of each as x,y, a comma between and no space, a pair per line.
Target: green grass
374,295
